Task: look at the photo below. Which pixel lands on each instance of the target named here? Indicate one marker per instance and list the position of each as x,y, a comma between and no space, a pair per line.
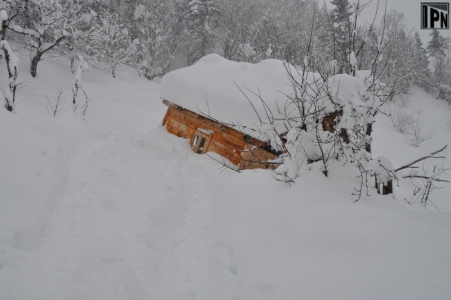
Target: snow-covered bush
401,118
418,135
410,124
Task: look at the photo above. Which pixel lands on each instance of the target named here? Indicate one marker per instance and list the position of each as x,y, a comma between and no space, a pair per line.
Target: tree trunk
3,32
34,64
72,64
8,107
369,130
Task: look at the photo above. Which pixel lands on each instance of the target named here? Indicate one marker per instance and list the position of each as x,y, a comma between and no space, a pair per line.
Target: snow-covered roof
212,87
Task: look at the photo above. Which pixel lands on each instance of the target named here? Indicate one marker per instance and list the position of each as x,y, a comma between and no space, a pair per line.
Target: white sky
411,10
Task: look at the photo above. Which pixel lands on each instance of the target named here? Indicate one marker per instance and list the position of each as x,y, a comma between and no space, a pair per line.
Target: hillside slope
113,207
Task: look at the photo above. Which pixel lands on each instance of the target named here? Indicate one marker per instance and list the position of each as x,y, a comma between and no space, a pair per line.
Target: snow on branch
424,180
431,155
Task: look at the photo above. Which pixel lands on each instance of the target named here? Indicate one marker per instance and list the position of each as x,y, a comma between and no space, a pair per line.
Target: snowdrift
113,207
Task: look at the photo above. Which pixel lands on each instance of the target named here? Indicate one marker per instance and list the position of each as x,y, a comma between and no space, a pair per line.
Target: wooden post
384,189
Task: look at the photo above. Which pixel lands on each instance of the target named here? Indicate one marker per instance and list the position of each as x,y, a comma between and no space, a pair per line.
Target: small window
196,137
200,142
201,145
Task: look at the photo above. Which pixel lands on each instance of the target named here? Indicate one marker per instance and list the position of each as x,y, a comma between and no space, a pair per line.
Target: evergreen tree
370,48
323,47
437,45
267,42
421,64
198,22
340,18
298,26
440,63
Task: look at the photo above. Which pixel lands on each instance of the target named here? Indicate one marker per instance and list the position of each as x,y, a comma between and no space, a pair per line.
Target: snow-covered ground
113,207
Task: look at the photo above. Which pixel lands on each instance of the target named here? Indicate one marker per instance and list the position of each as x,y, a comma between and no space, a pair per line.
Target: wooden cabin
206,105
208,135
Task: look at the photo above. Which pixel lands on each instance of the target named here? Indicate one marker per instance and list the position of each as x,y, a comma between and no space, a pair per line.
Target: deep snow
113,207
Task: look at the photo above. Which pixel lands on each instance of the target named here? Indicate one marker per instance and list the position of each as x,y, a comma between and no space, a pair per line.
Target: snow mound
215,86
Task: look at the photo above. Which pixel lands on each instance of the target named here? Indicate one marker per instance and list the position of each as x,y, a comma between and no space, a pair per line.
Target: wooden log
384,189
